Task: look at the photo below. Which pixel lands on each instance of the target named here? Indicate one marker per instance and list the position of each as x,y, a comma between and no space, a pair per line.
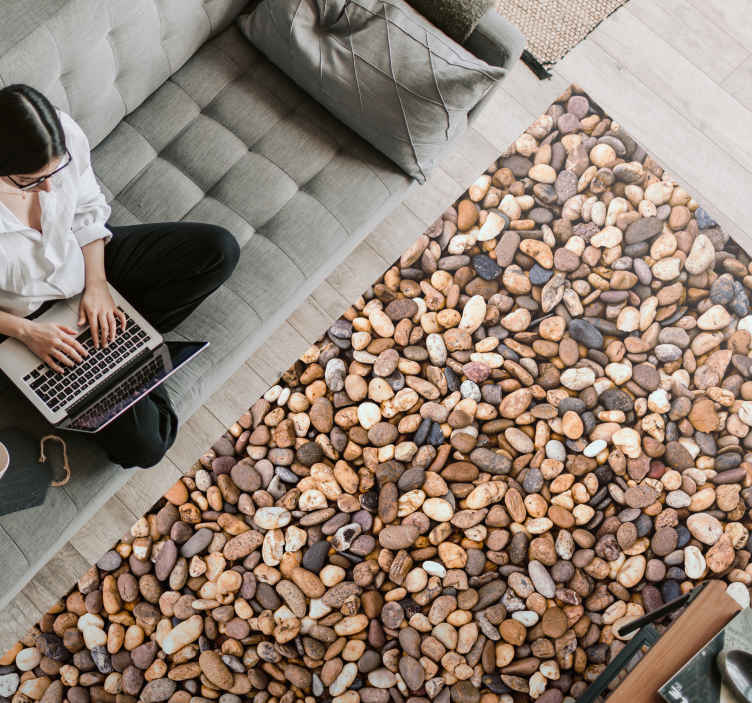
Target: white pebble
528,618
434,568
594,448
556,450
469,389
273,393
28,658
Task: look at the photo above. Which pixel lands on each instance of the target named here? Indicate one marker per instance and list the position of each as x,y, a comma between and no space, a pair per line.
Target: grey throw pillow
330,11
379,67
457,18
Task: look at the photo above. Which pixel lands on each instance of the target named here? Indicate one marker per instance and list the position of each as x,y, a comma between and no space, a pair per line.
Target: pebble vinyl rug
534,427
553,27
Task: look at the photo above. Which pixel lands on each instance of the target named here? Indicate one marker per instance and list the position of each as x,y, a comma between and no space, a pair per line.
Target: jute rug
553,27
531,429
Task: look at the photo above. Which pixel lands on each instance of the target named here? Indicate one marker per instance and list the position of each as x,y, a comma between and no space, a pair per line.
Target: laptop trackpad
166,359
64,312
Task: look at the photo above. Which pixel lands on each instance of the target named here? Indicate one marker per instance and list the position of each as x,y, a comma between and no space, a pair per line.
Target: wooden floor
676,74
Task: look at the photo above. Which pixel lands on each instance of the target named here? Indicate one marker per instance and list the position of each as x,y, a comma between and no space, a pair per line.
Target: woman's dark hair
30,131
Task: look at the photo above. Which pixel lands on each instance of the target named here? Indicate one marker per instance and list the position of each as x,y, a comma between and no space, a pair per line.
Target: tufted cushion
99,59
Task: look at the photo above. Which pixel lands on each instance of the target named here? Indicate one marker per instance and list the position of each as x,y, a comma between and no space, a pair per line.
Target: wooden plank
98,535
428,201
521,88
366,265
340,279
396,233
309,320
330,300
683,86
739,83
194,438
694,35
719,182
279,351
469,158
358,271
147,486
56,577
503,118
16,619
731,16
240,391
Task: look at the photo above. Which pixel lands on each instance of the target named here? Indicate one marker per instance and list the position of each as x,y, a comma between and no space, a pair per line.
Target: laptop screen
165,360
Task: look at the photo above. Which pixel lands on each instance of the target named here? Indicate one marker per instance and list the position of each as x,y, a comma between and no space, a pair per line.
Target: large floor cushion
228,139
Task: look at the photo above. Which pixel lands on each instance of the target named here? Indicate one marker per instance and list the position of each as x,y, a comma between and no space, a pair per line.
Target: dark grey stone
586,333
486,267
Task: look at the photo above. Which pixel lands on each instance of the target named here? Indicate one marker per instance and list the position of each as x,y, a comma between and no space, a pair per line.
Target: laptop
93,393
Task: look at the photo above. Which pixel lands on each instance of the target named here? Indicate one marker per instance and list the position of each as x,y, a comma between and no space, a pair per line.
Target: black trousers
164,270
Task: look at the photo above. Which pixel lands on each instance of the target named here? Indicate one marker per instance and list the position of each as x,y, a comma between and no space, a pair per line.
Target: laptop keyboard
120,396
58,390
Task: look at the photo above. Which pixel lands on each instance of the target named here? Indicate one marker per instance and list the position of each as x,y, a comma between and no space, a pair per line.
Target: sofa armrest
496,41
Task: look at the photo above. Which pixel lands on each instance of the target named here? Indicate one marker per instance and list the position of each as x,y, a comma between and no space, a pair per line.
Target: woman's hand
99,309
54,344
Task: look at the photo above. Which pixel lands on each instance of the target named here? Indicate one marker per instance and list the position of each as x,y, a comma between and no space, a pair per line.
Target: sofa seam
16,545
227,56
201,111
235,212
115,58
213,185
208,18
323,205
161,38
60,60
287,257
176,136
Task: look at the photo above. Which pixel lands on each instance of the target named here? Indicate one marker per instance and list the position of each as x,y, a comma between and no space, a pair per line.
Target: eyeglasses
39,181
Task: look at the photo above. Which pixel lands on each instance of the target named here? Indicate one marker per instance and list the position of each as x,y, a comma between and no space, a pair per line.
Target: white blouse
39,266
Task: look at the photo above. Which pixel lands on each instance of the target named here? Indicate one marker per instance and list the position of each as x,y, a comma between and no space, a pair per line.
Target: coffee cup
4,459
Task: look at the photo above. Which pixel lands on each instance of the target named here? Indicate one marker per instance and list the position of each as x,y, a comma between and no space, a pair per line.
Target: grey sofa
187,121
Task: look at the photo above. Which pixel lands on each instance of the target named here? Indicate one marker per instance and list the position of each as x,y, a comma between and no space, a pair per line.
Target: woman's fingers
60,356
112,324
73,341
103,325
52,364
94,327
70,351
104,328
80,348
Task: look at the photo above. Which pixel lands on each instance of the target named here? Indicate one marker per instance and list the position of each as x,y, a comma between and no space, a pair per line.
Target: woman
55,243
